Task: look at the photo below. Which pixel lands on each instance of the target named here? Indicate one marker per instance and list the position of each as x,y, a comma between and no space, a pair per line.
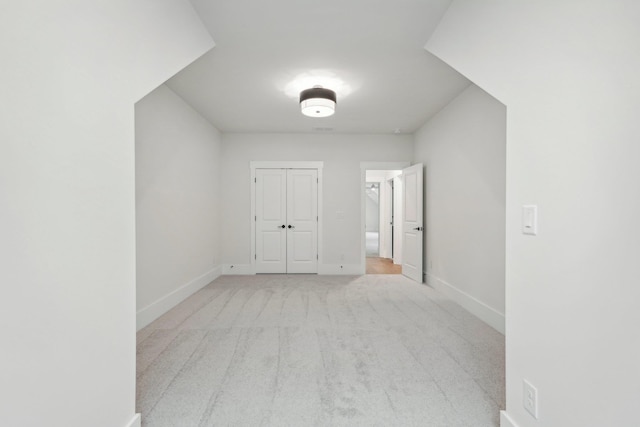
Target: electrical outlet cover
530,219
530,398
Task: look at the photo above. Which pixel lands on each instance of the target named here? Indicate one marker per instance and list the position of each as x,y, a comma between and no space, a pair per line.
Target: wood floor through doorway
377,265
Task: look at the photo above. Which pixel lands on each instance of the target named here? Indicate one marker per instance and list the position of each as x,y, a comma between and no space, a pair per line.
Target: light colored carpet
306,350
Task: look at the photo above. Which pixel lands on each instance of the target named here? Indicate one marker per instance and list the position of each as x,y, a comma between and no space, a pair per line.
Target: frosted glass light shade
318,102
318,107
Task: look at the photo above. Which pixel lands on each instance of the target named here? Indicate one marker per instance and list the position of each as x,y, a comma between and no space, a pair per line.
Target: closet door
302,221
271,221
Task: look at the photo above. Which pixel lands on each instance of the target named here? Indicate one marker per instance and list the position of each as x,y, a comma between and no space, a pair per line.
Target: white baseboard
135,422
240,269
339,269
148,314
506,421
489,315
327,269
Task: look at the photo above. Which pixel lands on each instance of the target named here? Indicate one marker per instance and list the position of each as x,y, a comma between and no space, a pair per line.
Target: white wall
71,72
341,155
177,202
568,74
463,150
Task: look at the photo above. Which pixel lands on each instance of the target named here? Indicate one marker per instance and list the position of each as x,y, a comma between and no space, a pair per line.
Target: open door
412,226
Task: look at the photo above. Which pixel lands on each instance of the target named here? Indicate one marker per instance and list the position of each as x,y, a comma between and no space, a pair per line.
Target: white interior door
302,221
286,207
397,220
271,221
412,226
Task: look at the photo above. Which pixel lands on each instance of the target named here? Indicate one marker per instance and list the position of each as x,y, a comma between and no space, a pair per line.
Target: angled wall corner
171,36
452,42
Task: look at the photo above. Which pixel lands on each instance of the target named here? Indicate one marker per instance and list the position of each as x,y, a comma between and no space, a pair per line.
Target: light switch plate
530,219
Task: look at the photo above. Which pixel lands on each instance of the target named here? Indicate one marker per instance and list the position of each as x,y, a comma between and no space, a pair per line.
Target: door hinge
255,179
255,218
255,256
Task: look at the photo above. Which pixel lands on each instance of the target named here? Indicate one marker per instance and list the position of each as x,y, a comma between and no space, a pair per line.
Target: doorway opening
372,215
383,243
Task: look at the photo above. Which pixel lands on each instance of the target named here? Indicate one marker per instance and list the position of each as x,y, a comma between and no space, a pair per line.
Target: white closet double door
286,221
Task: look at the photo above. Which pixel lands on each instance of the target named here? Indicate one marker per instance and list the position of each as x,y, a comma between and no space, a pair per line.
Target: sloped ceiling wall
567,73
71,73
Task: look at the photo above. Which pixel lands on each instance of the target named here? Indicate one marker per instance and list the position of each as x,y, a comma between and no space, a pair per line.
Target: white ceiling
369,51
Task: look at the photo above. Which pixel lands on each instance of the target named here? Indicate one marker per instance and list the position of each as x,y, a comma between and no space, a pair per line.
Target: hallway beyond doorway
371,243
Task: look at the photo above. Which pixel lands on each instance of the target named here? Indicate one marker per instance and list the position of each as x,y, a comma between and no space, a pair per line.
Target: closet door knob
282,226
291,226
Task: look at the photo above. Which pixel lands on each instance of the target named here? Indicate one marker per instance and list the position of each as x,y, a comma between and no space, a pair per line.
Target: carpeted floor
307,350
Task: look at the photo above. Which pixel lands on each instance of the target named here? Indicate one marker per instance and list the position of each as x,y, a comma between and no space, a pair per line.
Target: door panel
301,184
397,220
302,246
271,215
273,197
412,226
302,216
272,246
410,206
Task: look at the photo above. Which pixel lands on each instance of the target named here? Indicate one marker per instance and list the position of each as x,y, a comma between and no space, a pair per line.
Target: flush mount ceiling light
318,102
